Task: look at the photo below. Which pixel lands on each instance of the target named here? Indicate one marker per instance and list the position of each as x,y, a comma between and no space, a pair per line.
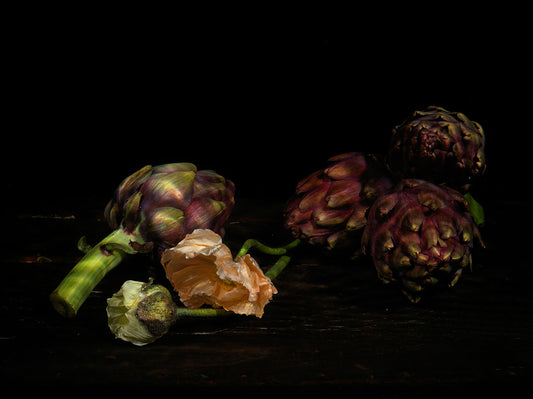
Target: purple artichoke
168,201
420,235
329,206
439,146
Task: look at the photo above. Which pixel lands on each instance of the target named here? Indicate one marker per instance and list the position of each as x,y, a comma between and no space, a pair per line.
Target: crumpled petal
121,309
202,271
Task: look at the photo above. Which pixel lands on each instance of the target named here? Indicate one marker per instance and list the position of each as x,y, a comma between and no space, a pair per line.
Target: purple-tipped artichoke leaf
202,212
343,192
175,167
131,212
331,217
167,224
314,198
131,183
168,190
345,168
310,183
357,220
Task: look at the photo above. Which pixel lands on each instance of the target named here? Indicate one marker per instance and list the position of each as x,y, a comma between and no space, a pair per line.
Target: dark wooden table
332,328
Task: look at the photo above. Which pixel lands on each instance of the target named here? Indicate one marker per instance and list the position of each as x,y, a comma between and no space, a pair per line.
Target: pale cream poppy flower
202,271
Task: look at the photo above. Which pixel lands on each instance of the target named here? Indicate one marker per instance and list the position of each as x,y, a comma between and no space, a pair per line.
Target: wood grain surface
333,326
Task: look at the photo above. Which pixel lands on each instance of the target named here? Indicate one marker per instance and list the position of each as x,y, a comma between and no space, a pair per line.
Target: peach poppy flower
201,269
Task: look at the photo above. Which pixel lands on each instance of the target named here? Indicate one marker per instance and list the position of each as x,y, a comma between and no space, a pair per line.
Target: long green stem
251,243
281,263
70,294
203,312
278,267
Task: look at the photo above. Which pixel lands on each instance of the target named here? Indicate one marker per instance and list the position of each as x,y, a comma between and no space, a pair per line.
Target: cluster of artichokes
408,213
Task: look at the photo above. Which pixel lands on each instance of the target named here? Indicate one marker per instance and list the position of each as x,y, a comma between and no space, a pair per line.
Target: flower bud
140,312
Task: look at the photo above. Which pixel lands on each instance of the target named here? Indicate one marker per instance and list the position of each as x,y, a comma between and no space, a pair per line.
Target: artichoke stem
70,294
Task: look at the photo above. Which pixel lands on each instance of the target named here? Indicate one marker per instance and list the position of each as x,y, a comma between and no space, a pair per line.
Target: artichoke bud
329,206
140,312
438,145
168,201
426,238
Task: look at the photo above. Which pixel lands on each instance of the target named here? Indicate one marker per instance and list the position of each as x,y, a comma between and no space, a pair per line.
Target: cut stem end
72,292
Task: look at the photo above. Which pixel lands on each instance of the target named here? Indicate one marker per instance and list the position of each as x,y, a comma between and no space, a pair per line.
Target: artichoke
167,202
420,235
329,206
439,146
154,208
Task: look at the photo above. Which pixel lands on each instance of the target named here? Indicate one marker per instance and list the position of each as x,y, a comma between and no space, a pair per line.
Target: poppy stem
280,264
204,312
278,267
251,243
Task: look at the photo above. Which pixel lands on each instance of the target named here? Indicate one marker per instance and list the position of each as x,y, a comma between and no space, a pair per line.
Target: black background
264,98
93,96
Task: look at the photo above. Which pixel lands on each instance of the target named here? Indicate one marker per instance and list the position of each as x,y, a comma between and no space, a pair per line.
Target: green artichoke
329,206
154,208
439,146
420,235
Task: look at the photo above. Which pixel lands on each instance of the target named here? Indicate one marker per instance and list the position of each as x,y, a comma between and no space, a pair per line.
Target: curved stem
281,263
251,243
278,267
70,294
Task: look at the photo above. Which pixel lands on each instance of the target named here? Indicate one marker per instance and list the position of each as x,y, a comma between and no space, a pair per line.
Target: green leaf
476,210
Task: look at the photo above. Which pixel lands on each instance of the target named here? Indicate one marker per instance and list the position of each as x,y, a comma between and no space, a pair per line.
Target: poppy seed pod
140,312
